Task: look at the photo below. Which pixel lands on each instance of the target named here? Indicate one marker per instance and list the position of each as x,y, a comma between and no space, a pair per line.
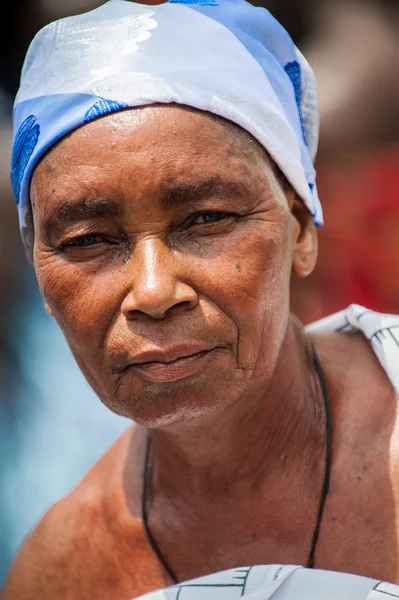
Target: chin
166,405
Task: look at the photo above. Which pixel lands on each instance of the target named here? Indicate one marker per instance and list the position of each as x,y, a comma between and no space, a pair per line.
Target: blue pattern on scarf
25,142
293,70
102,107
200,2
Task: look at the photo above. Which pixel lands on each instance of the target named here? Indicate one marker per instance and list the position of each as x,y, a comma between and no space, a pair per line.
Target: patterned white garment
382,332
278,582
288,582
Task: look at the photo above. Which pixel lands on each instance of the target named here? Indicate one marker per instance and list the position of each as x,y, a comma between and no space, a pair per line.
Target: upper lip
167,356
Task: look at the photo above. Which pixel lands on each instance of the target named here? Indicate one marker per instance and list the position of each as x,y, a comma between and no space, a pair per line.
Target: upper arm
35,572
54,561
63,558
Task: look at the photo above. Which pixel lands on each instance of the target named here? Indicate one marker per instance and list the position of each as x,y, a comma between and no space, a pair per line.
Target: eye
84,241
210,217
90,246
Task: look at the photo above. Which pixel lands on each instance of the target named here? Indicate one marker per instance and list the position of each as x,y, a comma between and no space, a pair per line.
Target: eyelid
73,242
77,238
223,216
222,213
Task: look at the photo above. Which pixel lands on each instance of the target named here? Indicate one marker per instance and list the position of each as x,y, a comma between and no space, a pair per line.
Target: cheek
250,283
82,300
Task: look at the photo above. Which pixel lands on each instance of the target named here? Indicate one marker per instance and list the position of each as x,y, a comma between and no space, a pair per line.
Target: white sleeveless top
382,332
290,582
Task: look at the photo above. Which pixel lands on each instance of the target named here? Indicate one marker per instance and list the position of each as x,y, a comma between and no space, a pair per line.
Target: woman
163,170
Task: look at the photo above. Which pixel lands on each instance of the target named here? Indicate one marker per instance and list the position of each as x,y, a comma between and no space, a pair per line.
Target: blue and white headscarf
222,56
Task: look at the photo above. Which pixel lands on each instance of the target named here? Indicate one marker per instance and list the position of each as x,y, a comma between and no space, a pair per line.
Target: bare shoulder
47,556
364,493
75,551
353,370
364,402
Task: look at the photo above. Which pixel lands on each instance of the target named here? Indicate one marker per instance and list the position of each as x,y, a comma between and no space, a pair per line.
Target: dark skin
164,246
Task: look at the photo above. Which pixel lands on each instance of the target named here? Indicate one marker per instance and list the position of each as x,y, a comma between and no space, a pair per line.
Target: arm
39,568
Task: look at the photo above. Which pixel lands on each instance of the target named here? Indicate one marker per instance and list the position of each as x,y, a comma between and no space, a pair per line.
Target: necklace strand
323,497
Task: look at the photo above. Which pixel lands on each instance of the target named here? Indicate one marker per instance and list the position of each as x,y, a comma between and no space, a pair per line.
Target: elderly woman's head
163,233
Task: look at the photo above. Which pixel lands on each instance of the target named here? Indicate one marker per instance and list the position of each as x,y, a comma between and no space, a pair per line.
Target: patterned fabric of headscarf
223,56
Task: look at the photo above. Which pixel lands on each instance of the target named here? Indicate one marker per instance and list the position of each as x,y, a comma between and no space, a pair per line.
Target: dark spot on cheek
238,267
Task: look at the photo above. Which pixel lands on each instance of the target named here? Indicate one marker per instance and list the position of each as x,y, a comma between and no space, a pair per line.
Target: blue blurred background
52,427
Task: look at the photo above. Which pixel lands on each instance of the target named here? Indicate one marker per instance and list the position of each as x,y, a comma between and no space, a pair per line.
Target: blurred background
52,428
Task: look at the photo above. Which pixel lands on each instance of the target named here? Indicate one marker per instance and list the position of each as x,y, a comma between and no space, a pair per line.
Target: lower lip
178,369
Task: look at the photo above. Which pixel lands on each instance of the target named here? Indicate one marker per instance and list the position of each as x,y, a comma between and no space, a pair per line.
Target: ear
305,244
48,310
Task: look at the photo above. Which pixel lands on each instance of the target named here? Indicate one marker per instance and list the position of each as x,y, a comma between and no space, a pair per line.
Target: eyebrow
69,211
184,192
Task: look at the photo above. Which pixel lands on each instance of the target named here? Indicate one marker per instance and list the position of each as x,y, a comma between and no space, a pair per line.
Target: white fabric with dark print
279,582
382,332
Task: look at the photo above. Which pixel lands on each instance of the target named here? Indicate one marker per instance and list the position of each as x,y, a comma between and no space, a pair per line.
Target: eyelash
220,217
80,241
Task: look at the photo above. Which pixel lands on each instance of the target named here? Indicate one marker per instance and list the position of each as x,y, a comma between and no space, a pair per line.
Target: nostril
156,307
182,306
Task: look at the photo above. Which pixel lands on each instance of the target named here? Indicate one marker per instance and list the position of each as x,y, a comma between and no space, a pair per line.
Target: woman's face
164,246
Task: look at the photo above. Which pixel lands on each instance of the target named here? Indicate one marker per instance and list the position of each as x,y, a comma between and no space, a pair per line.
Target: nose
156,290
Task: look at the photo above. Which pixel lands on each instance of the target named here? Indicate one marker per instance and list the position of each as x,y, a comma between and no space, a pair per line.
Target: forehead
140,154
161,138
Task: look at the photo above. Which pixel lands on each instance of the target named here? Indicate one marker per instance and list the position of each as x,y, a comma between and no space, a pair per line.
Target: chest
356,536
358,543
359,534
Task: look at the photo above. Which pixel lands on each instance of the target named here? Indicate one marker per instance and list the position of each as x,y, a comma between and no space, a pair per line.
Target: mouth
170,366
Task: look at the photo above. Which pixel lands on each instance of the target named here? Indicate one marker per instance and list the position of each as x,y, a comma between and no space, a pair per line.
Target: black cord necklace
327,469
323,497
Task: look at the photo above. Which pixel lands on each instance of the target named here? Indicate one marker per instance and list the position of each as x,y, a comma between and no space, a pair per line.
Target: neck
264,439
